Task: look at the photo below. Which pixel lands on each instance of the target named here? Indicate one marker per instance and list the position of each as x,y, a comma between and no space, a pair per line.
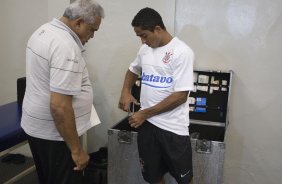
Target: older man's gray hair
85,9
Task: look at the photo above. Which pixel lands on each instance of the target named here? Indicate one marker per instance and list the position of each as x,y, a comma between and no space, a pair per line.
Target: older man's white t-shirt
54,63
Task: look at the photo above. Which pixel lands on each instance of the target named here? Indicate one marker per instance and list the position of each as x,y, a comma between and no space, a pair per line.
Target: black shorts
161,151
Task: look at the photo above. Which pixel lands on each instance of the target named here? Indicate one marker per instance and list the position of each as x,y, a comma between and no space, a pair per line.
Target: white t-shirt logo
168,57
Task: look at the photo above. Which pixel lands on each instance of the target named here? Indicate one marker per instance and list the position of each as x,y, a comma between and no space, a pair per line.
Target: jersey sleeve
136,65
183,71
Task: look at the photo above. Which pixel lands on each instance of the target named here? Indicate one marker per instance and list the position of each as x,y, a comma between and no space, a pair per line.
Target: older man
58,98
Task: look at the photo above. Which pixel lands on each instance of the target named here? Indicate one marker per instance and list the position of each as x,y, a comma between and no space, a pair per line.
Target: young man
58,97
165,65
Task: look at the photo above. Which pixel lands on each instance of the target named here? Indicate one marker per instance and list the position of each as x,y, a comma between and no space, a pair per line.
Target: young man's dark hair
148,19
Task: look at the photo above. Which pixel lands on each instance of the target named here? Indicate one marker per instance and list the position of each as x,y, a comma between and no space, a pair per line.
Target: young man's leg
177,153
151,160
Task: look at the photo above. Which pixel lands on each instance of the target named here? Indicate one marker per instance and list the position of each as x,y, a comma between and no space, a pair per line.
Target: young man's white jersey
165,70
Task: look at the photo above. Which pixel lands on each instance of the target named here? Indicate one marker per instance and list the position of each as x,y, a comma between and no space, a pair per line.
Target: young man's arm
126,97
63,114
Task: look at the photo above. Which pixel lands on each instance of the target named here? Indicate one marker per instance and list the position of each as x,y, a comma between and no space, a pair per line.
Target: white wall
245,36
18,20
56,8
242,35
